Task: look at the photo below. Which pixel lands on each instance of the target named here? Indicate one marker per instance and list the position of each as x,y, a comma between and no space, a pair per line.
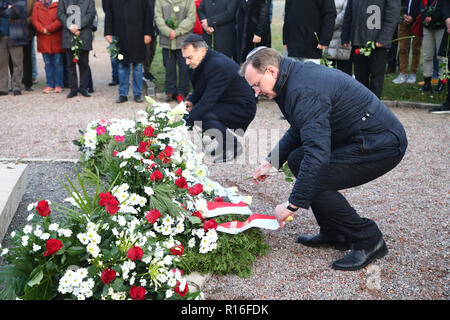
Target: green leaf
36,277
195,220
75,250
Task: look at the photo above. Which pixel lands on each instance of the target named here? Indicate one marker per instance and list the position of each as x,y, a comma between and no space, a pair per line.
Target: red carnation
181,182
156,175
110,203
75,60
135,253
137,293
148,132
196,189
218,199
143,146
177,250
108,275
168,151
43,209
357,51
179,172
52,246
152,216
183,292
210,224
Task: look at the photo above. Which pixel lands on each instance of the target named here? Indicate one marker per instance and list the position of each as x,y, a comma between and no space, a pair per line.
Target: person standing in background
253,26
218,20
150,48
308,28
27,78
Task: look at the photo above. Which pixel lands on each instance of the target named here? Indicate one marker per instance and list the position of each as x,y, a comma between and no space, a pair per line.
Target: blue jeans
54,69
124,78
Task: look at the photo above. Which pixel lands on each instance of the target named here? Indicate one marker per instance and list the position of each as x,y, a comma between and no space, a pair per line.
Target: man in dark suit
341,136
221,98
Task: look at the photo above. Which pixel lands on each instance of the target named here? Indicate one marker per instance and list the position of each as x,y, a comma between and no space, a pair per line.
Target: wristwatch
290,208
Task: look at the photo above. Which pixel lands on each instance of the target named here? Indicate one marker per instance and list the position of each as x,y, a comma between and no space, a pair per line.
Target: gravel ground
410,203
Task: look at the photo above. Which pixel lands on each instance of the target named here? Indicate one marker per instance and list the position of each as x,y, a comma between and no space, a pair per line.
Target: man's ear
273,71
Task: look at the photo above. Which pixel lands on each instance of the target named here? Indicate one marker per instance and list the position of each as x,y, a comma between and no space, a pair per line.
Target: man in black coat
303,19
218,22
341,136
221,98
131,22
70,14
370,20
253,26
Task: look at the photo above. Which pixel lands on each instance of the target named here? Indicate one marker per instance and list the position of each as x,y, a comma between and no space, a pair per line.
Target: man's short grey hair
261,59
195,44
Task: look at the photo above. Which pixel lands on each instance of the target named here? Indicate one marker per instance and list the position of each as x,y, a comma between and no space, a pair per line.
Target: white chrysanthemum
27,229
191,243
83,238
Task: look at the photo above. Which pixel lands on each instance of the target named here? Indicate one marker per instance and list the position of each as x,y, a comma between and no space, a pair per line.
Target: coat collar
283,75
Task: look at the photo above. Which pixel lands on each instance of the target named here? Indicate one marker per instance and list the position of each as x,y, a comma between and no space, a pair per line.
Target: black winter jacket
370,20
219,88
335,118
304,18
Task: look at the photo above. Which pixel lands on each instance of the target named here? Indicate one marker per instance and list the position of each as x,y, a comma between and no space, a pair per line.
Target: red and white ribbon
220,208
255,220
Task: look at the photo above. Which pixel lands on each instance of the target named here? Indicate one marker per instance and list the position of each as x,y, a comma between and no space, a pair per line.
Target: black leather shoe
113,83
319,240
72,94
17,92
3,93
358,259
85,93
138,99
121,99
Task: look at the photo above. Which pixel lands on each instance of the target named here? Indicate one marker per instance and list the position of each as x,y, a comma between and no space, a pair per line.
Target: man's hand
379,45
210,30
427,19
205,24
147,39
256,39
407,19
109,38
447,23
282,213
189,105
345,45
262,172
74,28
321,47
172,35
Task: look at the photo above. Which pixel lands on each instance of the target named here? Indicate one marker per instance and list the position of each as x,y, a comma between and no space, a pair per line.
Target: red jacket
198,29
45,18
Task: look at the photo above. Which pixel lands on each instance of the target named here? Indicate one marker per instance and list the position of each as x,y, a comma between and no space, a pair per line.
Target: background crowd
323,31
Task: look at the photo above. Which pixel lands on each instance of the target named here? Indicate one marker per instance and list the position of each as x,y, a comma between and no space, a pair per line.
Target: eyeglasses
257,84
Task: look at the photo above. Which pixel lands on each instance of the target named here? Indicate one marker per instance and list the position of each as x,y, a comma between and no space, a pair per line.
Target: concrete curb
409,104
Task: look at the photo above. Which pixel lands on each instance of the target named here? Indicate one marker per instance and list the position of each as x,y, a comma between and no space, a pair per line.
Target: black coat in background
129,21
445,12
252,17
219,88
301,19
88,13
221,15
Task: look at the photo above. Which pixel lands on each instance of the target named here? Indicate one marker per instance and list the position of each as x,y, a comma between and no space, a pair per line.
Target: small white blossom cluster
76,281
208,240
129,202
169,226
91,239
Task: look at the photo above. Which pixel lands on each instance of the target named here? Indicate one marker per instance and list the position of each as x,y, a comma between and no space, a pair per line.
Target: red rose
183,292
42,208
218,199
75,60
114,153
198,214
108,275
135,253
425,2
177,250
179,172
156,175
196,189
110,203
137,293
152,216
148,132
357,51
168,151
444,81
52,246
181,182
143,146
210,224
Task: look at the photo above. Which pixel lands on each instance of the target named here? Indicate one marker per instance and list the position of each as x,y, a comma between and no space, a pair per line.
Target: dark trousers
150,50
212,126
172,58
344,65
27,78
83,67
370,70
335,216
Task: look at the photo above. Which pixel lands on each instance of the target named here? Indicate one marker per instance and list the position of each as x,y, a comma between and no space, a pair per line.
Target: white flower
93,249
83,238
25,240
169,293
120,56
53,227
149,191
36,247
27,229
30,217
191,243
4,251
45,236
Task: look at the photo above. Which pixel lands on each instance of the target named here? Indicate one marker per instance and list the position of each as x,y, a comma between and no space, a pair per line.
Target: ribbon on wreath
256,220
